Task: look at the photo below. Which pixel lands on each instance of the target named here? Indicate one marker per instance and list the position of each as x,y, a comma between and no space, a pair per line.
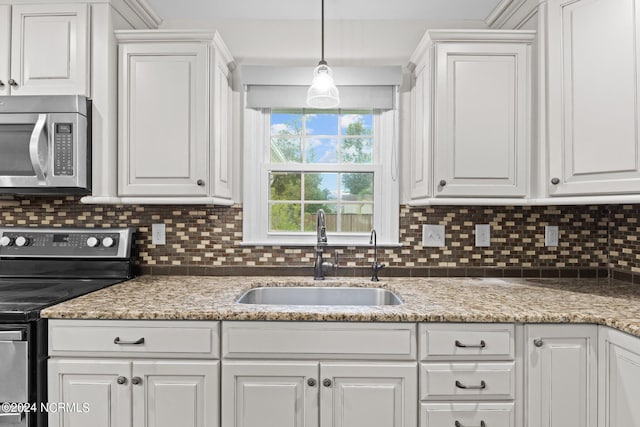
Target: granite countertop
606,302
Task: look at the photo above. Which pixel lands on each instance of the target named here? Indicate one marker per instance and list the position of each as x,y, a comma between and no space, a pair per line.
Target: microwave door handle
37,136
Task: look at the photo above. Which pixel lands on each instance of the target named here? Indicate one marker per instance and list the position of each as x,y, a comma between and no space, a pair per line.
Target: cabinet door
221,132
482,113
163,119
561,375
269,394
620,379
5,48
50,49
592,105
93,386
420,131
369,395
175,393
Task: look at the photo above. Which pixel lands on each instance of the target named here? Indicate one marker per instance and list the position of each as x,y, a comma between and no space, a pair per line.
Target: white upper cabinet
471,110
174,116
164,113
49,49
592,104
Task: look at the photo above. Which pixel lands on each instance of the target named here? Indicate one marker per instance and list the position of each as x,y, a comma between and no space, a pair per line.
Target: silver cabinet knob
1,83
555,181
443,183
13,83
121,380
538,342
92,242
136,380
107,242
327,382
311,382
6,241
200,183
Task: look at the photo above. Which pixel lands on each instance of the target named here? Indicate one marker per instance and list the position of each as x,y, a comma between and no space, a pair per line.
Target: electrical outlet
433,236
483,235
551,235
158,234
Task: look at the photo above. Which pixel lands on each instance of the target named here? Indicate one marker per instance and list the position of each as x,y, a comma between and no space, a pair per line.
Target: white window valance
286,87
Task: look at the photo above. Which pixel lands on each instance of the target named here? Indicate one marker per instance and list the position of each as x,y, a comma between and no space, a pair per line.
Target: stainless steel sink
311,295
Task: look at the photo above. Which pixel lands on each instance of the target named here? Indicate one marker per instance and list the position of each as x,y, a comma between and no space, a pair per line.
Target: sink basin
311,295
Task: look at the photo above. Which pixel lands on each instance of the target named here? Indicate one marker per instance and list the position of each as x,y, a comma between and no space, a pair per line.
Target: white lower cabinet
619,370
310,374
561,375
134,373
326,394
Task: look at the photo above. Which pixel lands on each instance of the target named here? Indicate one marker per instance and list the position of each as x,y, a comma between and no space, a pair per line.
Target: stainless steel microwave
45,144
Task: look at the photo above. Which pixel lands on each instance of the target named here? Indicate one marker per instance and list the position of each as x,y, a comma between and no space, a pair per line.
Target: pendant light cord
322,61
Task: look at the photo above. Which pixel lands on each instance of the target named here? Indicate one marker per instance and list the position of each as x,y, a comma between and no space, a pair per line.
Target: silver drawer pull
481,345
117,340
459,424
482,386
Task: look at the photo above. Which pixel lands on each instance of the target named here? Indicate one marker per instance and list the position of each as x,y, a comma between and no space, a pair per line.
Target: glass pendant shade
323,92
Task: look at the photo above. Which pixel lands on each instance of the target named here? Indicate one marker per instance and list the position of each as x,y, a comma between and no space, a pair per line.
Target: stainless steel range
40,267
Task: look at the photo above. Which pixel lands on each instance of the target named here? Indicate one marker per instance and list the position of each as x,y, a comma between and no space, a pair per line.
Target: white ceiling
432,10
358,32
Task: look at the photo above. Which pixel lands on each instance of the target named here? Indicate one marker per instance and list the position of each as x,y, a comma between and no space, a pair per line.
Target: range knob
107,242
92,242
22,241
6,241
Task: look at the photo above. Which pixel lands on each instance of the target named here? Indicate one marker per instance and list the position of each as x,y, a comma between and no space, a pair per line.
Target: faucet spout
321,228
321,243
376,266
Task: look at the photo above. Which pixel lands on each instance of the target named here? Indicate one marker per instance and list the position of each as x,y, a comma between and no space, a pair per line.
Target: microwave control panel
63,149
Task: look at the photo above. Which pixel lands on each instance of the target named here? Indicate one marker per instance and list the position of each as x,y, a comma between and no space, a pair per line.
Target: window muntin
333,141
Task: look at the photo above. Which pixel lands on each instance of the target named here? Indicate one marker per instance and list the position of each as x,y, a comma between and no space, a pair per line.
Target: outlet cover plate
433,236
483,235
158,234
551,235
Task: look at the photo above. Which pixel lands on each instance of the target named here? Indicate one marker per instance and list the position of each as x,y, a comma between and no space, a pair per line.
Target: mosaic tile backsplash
591,237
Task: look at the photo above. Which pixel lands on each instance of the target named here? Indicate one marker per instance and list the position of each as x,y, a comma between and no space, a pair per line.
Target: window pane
357,187
330,216
357,218
285,186
356,123
284,217
286,150
322,150
322,124
320,186
283,124
357,150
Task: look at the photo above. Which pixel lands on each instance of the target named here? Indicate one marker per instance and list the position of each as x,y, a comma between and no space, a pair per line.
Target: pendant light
323,92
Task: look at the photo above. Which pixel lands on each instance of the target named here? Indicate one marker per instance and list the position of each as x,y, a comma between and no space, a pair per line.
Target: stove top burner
26,297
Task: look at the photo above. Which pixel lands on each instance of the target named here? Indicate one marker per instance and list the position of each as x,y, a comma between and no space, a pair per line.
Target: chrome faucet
321,243
376,266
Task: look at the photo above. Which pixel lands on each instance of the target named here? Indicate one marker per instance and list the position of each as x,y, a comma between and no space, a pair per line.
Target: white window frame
256,165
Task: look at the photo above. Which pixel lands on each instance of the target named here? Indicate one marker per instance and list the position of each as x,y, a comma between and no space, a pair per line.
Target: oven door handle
37,150
11,336
11,417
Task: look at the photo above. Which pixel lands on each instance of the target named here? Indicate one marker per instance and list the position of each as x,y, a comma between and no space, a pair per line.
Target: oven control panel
66,242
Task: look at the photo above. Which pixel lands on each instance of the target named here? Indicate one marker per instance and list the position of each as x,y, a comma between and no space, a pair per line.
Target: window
335,140
302,160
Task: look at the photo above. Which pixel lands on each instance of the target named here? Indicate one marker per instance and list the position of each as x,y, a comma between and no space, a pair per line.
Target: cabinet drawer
464,381
466,341
314,340
114,338
467,414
